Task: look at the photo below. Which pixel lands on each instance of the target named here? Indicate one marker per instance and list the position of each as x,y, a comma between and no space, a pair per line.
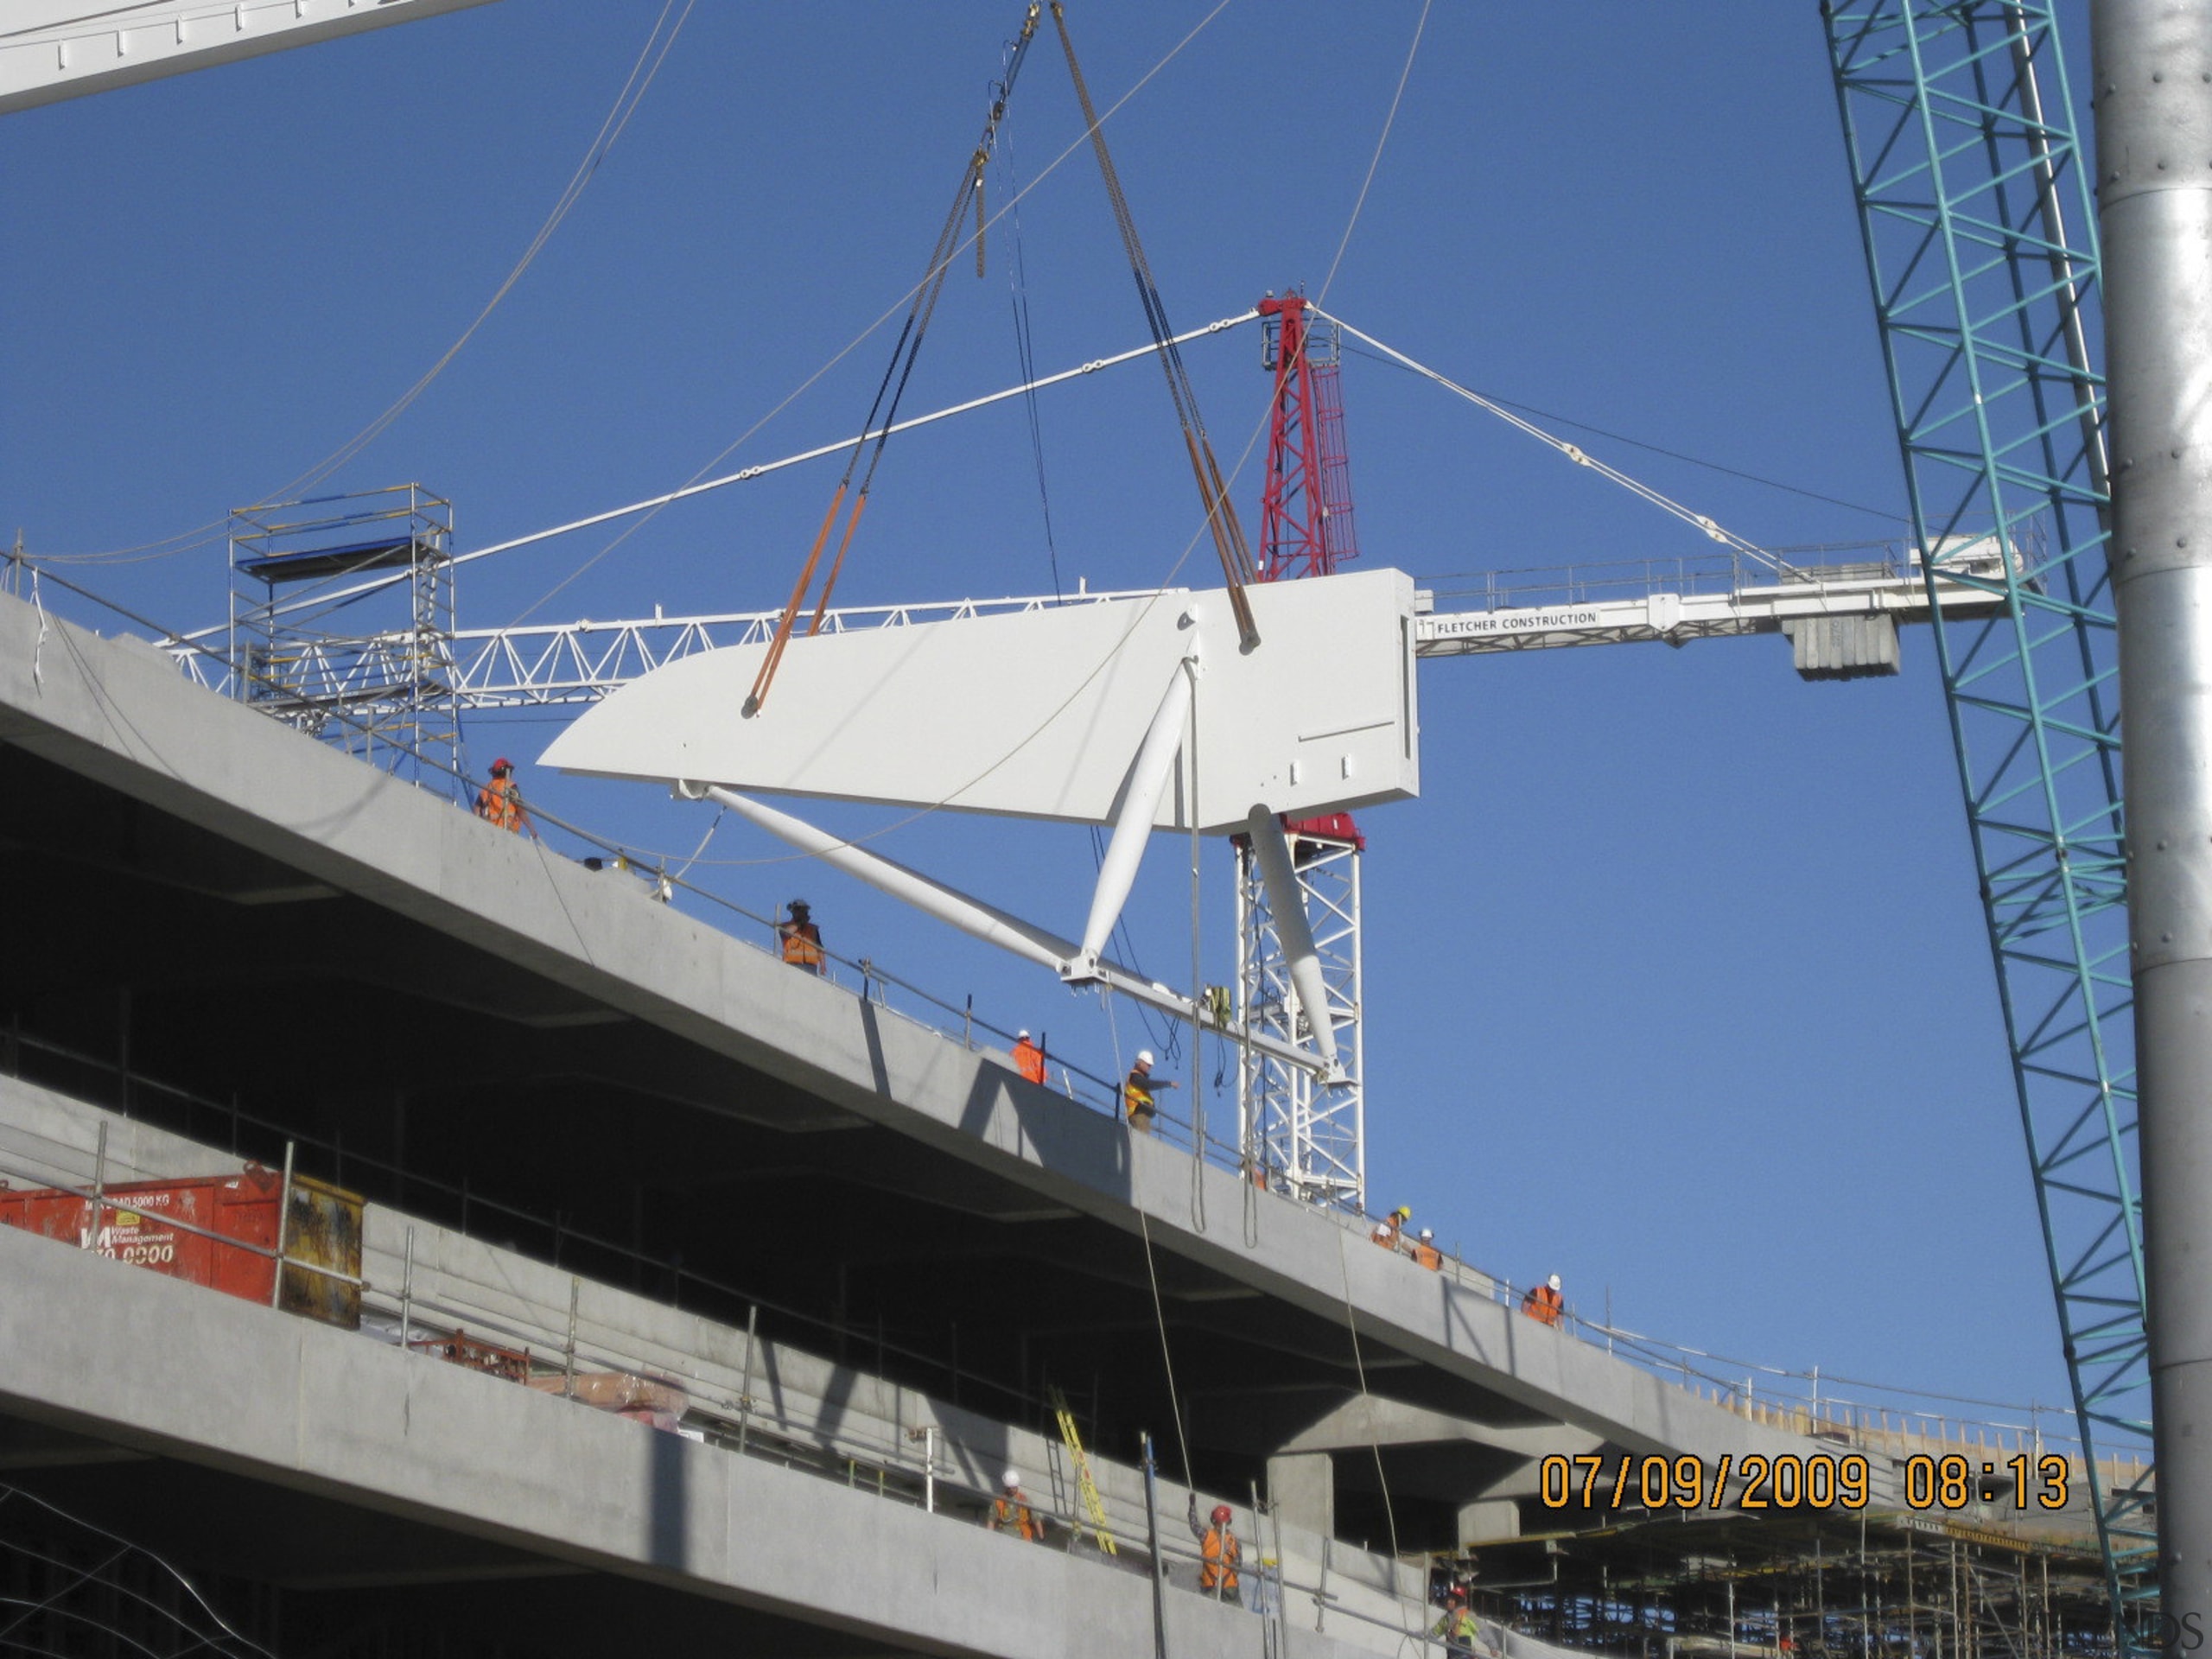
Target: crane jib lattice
1981,235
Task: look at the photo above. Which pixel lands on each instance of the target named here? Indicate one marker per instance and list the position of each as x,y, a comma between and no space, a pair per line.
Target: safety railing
1804,1402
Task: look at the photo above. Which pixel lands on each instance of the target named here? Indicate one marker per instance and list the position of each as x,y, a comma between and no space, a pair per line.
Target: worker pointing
1136,1094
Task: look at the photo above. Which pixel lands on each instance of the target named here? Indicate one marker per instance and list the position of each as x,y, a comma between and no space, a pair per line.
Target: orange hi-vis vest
1010,1514
1029,1060
1543,1304
802,945
1222,1554
1137,1103
500,802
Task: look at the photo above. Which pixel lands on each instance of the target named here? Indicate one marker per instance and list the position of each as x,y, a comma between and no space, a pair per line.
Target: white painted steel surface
52,49
1039,713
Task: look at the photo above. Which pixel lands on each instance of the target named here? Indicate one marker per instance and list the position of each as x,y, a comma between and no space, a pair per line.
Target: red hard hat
503,765
1220,1514
1455,1594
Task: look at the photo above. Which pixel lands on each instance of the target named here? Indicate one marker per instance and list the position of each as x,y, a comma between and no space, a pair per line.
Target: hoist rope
1359,1367
905,352
743,475
1237,566
1375,161
1166,1359
1572,452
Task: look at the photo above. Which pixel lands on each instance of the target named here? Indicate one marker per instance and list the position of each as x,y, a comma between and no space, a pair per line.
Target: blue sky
1678,985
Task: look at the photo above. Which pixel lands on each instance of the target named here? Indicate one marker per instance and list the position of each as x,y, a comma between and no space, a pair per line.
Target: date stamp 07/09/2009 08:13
1790,1482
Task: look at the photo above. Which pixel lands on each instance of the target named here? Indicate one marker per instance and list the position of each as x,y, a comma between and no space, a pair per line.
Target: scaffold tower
310,583
1297,1133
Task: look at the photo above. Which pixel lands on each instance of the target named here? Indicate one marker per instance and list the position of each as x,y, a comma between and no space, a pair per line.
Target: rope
1167,1360
653,504
1376,161
1643,492
1359,1365
1198,970
610,129
1221,514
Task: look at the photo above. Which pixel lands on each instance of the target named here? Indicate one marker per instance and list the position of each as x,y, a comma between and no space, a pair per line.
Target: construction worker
1543,1302
1426,1253
1010,1511
1028,1058
802,939
1136,1094
1389,1232
1219,1554
1457,1626
499,802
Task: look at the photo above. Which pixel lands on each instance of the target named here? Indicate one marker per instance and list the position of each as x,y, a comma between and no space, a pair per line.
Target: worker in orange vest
1219,1554
1390,1230
1010,1511
802,939
1426,1253
1028,1058
1137,1103
1458,1627
1544,1302
499,802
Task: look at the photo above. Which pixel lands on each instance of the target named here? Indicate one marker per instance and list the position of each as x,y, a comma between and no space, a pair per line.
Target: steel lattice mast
1307,1135
1975,203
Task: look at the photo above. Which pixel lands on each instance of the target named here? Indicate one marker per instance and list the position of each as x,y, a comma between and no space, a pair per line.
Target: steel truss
1296,1134
1974,203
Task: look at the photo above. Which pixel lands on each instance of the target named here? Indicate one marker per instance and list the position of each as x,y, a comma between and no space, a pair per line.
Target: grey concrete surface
781,1395
177,1370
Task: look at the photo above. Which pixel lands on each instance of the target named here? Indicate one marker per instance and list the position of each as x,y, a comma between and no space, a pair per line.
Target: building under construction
419,1242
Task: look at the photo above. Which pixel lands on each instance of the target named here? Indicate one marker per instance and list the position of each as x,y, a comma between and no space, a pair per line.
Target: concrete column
2152,73
1303,1487
1488,1519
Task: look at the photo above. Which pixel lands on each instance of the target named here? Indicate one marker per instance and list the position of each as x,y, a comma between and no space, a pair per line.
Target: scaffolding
342,624
1295,1132
1836,1585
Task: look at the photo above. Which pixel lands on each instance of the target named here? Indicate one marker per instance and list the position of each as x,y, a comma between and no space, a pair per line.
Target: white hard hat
1555,1282
1144,1057
1012,1478
1426,1235
1021,1036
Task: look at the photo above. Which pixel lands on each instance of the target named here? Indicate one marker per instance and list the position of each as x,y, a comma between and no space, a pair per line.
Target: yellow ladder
1091,1504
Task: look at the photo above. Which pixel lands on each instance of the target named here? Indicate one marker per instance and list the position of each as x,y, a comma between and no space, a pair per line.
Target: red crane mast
1306,522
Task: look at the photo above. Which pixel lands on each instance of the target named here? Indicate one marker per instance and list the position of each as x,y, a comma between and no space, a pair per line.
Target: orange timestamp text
1788,1481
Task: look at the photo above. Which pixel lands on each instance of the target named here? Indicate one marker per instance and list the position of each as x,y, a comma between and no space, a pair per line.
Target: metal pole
283,1226
569,1366
407,1291
2152,68
99,1188
1159,1556
744,1389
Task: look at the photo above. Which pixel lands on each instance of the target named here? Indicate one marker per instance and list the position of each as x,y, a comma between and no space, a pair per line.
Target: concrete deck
241,882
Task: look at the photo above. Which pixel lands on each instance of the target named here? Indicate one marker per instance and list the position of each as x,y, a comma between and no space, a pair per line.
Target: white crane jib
1141,713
